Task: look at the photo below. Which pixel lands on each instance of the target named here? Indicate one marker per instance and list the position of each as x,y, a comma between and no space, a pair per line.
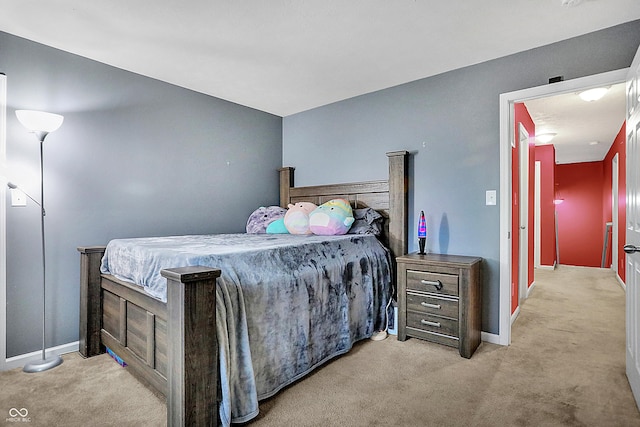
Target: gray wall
450,123
134,157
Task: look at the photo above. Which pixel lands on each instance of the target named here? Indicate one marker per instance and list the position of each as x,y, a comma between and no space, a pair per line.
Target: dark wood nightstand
440,300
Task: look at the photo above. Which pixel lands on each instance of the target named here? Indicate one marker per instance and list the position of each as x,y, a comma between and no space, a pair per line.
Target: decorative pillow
367,221
296,220
262,217
331,218
277,227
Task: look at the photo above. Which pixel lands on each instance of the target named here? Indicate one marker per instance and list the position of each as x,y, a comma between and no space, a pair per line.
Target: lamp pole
41,124
55,360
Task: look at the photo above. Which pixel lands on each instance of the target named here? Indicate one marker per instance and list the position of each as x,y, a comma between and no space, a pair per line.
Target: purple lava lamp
422,232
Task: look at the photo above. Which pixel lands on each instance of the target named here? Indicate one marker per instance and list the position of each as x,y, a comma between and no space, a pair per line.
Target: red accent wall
546,155
618,147
580,217
521,116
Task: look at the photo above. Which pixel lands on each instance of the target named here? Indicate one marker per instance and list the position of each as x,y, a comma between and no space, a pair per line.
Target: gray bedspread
285,303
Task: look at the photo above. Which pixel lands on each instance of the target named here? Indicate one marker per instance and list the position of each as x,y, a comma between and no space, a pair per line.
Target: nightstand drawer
446,307
445,284
427,322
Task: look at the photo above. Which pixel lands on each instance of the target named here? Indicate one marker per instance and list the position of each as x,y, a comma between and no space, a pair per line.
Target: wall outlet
18,198
491,197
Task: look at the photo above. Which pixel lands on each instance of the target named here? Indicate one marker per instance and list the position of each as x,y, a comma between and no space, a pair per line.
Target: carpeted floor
565,367
80,392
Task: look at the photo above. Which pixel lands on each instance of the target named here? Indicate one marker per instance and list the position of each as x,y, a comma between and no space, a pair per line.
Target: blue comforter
285,304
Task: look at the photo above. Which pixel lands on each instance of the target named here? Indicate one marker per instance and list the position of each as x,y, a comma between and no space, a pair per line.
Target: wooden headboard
389,197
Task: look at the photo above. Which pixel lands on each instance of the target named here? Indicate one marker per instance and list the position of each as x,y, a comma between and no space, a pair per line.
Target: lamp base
42,365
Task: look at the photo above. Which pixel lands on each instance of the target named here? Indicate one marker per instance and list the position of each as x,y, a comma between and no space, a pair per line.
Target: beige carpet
80,392
565,367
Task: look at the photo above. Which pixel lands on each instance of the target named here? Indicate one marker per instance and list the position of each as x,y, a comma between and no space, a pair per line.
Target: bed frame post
90,300
398,202
286,182
192,347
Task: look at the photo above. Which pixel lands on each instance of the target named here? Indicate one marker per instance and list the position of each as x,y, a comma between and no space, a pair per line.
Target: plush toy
277,227
262,217
331,218
296,220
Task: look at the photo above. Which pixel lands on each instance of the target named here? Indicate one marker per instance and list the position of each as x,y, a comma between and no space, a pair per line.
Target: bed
214,365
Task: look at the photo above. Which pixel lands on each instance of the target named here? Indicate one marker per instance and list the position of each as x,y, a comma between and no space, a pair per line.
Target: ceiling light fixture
570,3
545,138
594,143
593,94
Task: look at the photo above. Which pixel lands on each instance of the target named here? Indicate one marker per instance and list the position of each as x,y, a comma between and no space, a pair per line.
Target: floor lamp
41,124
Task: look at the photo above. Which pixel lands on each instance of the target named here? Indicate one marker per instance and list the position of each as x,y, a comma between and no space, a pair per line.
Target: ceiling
288,56
584,130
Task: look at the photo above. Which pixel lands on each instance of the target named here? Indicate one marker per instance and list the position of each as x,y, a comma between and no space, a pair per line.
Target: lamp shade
39,121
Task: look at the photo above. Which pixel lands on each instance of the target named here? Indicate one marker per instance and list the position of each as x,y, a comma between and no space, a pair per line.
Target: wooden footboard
172,346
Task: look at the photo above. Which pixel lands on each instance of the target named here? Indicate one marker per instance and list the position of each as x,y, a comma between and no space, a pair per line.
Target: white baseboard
490,338
515,314
621,283
530,288
23,359
547,267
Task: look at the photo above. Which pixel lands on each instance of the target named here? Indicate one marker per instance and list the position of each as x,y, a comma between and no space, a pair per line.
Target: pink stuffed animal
296,220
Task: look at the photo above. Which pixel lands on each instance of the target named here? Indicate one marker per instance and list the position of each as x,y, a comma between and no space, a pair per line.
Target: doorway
507,126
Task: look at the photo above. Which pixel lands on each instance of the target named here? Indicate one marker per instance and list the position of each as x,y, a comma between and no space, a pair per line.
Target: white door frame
3,223
507,126
537,238
615,176
523,269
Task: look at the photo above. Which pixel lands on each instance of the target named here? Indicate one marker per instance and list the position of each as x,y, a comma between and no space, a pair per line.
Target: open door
632,246
523,280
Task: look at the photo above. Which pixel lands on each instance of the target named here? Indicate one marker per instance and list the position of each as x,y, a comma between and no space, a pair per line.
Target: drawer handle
436,283
426,304
429,323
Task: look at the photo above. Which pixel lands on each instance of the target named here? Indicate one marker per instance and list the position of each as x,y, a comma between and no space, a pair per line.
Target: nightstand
440,300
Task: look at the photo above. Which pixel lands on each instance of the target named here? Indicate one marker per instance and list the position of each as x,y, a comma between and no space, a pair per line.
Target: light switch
18,198
491,197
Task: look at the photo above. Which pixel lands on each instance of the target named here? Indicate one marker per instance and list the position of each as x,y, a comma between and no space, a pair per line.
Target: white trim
537,232
621,282
507,125
523,195
490,338
615,211
514,316
506,132
547,267
3,224
533,284
23,359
